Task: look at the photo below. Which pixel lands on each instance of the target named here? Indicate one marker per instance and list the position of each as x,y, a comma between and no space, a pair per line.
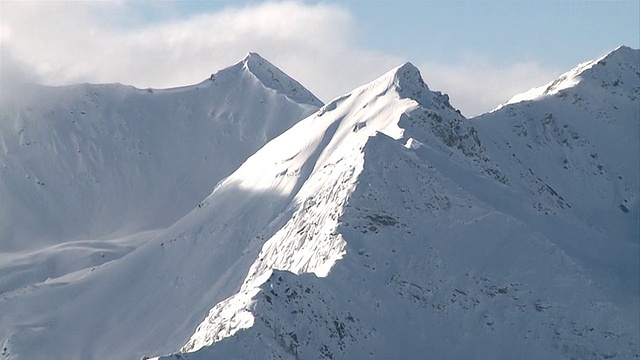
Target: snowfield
383,225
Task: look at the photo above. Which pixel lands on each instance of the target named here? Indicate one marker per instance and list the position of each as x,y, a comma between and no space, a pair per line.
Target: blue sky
559,33
480,52
553,32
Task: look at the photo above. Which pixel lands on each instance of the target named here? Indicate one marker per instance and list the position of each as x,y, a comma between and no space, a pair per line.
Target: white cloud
478,85
65,42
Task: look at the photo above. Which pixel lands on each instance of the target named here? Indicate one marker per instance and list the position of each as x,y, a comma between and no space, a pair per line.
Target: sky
481,53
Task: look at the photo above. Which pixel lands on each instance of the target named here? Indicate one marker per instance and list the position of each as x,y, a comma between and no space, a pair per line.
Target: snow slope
100,161
579,148
385,225
91,172
419,234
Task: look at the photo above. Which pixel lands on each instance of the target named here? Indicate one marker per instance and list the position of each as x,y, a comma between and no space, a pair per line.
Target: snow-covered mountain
90,172
419,233
386,225
89,162
575,149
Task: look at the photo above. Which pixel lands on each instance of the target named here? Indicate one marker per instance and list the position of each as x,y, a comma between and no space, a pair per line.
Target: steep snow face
435,235
582,142
102,161
324,166
273,78
203,258
576,154
428,268
206,256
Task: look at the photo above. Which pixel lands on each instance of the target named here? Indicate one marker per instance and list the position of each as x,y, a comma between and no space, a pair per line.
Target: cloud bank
477,85
58,43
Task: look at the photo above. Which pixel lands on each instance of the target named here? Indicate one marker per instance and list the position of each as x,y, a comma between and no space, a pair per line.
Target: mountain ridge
274,78
576,75
104,157
384,225
285,341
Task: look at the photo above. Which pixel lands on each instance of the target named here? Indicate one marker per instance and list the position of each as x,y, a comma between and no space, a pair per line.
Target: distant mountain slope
95,161
575,151
585,130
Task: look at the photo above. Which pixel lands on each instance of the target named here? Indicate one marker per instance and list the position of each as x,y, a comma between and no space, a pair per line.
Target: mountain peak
407,71
615,64
407,81
623,50
405,76
274,78
622,55
253,58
